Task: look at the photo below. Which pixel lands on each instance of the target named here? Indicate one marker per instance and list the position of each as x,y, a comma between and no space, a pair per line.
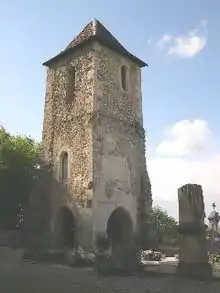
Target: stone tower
93,133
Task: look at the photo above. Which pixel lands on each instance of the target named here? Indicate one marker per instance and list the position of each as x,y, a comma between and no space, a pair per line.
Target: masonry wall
67,128
110,98
101,129
119,146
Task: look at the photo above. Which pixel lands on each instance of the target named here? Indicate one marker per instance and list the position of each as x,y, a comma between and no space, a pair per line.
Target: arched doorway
65,229
119,226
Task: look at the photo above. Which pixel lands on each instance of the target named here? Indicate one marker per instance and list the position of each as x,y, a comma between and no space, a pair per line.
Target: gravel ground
18,277
42,278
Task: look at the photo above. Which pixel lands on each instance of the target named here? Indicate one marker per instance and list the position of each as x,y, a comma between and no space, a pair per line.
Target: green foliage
19,159
166,224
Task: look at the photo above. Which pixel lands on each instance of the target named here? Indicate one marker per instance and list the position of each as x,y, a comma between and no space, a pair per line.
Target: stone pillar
193,258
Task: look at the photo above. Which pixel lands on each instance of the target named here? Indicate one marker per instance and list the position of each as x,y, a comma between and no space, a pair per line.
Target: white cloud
168,174
186,137
165,39
187,45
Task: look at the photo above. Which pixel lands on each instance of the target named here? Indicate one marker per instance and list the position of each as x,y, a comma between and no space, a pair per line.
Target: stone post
193,258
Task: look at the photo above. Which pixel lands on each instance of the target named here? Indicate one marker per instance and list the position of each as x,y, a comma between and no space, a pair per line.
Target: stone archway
65,229
120,227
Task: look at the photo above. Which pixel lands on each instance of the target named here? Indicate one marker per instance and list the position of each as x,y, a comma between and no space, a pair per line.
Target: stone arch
120,226
65,229
64,167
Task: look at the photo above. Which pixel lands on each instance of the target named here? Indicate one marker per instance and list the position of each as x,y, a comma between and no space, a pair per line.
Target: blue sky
180,41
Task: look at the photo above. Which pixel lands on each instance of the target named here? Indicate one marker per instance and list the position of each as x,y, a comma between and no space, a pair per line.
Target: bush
166,225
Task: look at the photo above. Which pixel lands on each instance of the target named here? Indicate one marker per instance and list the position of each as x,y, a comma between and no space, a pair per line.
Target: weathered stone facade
66,128
193,258
100,126
119,146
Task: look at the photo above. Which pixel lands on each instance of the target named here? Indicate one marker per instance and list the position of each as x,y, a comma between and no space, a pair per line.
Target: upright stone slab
193,258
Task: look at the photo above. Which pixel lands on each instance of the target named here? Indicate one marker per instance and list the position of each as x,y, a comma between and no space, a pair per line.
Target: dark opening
123,77
89,203
66,229
119,226
64,167
71,83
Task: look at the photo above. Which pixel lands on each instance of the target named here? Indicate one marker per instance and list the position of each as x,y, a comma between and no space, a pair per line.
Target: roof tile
94,30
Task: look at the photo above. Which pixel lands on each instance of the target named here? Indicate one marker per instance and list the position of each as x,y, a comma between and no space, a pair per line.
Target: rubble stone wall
119,138
66,123
100,126
67,129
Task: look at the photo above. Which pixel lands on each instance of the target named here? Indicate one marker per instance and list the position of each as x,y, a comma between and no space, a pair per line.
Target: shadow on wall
65,229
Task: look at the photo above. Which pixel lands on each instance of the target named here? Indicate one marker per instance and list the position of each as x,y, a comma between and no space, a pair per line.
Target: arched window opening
123,77
71,83
89,203
64,167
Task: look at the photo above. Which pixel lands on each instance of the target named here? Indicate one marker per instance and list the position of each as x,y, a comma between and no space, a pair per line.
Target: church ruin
93,133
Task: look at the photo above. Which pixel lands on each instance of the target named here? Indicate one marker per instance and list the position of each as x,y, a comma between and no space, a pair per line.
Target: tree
19,159
166,224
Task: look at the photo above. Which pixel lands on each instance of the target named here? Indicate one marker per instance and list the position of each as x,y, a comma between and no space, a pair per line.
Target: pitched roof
94,30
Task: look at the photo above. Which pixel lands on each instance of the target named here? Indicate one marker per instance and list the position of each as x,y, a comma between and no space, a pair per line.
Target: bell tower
93,133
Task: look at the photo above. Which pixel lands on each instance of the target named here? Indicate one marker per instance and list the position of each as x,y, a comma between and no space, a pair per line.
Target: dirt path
38,278
18,277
